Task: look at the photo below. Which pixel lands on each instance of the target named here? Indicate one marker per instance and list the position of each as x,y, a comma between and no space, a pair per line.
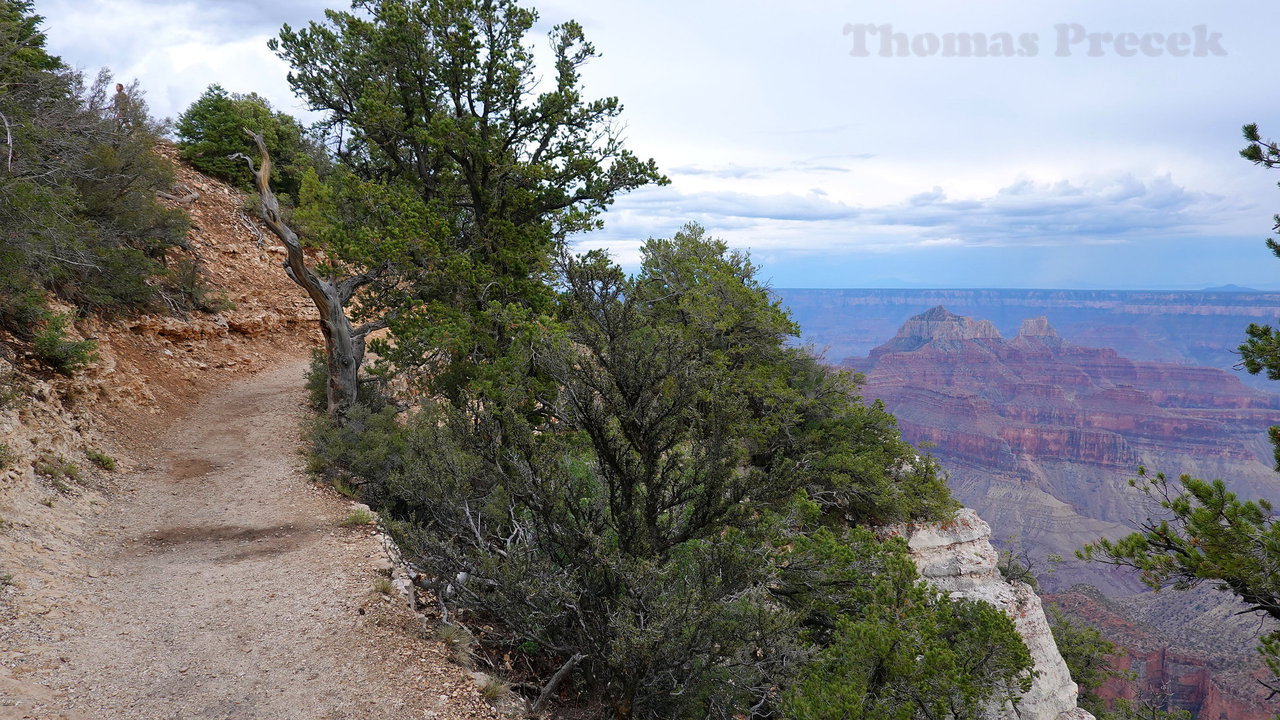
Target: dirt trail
221,586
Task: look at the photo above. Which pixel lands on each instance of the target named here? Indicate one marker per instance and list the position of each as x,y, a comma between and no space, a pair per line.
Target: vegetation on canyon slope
79,217
635,482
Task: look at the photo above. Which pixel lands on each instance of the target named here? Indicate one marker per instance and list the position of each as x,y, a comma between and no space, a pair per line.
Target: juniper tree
78,210
655,507
438,105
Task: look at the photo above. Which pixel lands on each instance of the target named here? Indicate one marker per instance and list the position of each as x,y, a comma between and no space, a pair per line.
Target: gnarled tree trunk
343,343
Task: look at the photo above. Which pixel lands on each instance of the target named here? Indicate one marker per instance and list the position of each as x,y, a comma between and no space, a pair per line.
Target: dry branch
184,200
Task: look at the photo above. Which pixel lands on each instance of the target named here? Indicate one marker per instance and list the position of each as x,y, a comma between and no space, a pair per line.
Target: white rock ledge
957,557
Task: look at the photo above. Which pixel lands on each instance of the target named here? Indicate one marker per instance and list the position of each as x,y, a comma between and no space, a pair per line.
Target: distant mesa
1231,288
1037,327
1185,327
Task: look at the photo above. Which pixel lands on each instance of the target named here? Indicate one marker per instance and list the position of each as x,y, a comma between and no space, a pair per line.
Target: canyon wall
1201,328
1210,670
1041,436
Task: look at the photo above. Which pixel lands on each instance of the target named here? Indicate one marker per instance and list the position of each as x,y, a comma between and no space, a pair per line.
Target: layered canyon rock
1202,328
1209,669
1042,436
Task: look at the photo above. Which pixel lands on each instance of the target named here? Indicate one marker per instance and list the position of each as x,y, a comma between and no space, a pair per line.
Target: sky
866,143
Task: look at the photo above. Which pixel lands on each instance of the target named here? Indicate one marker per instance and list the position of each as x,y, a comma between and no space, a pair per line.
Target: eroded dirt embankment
205,576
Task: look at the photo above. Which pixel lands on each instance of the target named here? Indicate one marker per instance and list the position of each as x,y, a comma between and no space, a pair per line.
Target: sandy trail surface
219,584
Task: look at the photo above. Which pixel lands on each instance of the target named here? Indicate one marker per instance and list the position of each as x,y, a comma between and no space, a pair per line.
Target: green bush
7,457
899,649
59,472
21,309
101,459
78,211
357,457
317,381
358,518
52,347
13,389
190,290
644,484
212,129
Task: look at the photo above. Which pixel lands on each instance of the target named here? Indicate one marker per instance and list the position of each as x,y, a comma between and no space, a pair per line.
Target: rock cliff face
1205,673
958,557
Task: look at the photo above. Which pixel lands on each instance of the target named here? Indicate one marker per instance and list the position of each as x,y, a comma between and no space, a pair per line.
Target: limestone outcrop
958,557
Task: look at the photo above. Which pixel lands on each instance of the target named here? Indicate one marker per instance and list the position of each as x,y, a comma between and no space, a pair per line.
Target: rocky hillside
65,436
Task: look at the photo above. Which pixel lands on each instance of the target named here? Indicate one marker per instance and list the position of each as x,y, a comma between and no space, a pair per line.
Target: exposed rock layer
1203,328
1212,671
958,557
1042,436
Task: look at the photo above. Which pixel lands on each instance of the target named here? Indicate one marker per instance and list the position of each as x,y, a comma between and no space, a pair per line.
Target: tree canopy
211,133
637,487
436,107
660,491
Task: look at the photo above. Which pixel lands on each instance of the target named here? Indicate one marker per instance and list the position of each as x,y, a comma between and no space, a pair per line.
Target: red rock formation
1041,436
1210,680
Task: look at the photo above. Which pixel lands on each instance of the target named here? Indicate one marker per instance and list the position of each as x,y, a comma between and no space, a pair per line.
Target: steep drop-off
957,556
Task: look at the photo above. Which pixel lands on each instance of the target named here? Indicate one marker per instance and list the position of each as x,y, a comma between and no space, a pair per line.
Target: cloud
804,153
177,49
733,171
1103,210
1112,207
736,205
